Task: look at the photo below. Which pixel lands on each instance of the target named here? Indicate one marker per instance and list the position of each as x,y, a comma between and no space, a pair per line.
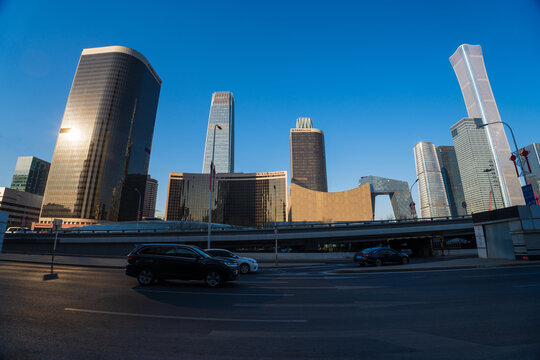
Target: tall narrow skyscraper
222,115
30,175
308,159
100,162
468,64
432,193
452,180
150,197
476,167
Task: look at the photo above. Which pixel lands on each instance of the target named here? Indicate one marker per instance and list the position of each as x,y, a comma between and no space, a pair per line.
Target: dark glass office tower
308,160
254,199
30,175
101,158
150,197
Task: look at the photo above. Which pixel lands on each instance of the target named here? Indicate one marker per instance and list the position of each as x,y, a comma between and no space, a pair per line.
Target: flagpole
212,180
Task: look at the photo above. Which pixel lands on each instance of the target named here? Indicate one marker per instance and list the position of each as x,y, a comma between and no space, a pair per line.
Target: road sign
57,224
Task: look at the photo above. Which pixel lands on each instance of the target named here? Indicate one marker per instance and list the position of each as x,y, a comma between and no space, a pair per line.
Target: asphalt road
306,313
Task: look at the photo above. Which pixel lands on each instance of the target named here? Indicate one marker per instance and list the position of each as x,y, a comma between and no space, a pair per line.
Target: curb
64,264
40,262
438,268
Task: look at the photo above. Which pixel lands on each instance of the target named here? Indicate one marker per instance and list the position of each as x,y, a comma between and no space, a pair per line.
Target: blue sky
374,76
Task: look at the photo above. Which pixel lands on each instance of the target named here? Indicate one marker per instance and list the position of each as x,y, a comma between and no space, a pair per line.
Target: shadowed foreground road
308,313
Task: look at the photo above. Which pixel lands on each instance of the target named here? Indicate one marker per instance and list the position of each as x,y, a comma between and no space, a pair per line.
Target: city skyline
373,98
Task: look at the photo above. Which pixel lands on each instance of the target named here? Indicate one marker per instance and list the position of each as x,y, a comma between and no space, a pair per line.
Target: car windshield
200,252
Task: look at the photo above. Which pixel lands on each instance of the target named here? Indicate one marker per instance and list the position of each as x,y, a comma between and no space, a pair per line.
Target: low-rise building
23,207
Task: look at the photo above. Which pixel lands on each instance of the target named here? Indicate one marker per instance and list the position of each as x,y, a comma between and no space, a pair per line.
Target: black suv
149,262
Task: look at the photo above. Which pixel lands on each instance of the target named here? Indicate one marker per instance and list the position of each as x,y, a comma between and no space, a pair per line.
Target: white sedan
245,264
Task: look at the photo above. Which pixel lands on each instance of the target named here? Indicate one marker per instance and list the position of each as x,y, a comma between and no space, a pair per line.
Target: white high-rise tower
468,63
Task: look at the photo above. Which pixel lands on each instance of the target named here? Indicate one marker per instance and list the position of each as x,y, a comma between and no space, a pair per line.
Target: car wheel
378,262
244,268
405,260
145,277
213,278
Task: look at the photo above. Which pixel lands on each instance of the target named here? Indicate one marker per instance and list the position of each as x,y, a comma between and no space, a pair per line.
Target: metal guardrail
269,227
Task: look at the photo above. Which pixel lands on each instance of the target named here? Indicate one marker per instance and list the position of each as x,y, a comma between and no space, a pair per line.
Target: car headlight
231,264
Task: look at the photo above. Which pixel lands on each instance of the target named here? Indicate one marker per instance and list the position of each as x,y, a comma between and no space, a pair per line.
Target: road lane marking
270,282
206,293
320,287
172,317
364,305
499,275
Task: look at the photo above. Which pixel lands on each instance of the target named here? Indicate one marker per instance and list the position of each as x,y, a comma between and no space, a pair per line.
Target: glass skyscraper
432,193
308,159
30,175
239,199
222,114
103,148
150,197
452,180
468,64
476,166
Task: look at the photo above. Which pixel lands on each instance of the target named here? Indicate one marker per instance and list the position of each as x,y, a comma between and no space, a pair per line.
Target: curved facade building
308,159
312,205
432,193
468,64
100,162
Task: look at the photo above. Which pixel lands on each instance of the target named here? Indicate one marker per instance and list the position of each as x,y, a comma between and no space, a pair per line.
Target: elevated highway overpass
349,236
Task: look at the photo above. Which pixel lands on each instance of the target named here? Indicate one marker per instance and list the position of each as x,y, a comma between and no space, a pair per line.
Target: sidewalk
112,262
443,264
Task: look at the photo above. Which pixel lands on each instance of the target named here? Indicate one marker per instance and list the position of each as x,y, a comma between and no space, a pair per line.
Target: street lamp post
138,208
488,171
212,171
275,225
515,145
411,205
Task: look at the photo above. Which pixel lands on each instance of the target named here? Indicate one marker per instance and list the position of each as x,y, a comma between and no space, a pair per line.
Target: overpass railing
219,228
